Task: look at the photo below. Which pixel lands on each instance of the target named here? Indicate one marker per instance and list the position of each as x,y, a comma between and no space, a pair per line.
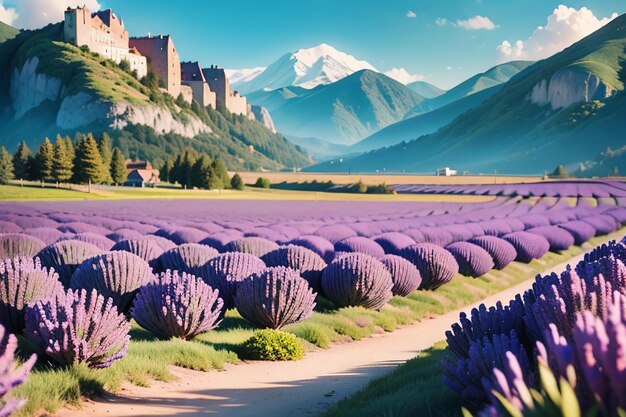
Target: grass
412,389
149,359
32,192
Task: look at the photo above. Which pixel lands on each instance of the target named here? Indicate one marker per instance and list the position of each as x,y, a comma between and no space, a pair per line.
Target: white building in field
446,172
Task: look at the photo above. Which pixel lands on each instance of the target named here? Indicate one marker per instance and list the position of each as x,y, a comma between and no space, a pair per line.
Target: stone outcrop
569,86
29,89
262,115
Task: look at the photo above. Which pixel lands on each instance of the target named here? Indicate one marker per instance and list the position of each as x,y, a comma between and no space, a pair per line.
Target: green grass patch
150,359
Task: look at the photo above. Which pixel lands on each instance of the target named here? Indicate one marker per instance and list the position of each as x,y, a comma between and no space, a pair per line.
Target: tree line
82,160
193,169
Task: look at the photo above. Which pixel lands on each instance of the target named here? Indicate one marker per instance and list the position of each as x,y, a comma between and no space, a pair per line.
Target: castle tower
192,76
77,27
163,58
226,97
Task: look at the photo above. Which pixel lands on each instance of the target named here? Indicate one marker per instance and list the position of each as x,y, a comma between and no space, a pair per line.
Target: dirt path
303,388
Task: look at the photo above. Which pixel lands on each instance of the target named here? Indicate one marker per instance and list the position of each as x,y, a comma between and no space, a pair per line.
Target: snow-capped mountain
243,75
305,68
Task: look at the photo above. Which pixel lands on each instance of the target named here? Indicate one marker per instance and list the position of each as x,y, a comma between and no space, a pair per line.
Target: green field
150,359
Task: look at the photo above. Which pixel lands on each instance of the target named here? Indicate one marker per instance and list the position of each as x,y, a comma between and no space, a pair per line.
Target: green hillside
342,112
7,32
81,71
512,134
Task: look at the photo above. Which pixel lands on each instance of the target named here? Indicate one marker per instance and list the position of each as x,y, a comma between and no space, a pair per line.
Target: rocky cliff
262,115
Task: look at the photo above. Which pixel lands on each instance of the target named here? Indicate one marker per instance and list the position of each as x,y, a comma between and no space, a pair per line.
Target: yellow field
373,179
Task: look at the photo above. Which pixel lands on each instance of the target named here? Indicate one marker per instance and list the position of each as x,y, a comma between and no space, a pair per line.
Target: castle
104,33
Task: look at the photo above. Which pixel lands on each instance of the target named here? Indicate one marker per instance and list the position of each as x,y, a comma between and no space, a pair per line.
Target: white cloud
8,15
565,26
449,68
403,76
477,23
411,14
441,21
34,14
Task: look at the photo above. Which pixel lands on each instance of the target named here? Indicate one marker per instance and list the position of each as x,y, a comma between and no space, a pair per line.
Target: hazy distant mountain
342,112
425,89
497,75
319,149
306,68
566,109
409,129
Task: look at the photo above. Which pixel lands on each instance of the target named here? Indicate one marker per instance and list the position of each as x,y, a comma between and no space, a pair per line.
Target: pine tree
119,173
63,163
6,166
175,176
202,172
69,147
106,153
88,163
236,182
221,174
186,169
23,162
165,171
44,160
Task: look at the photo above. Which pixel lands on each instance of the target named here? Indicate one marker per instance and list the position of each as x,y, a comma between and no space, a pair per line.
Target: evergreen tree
63,163
186,169
6,166
44,160
88,163
202,172
106,153
174,175
165,171
236,182
119,174
221,174
69,148
23,162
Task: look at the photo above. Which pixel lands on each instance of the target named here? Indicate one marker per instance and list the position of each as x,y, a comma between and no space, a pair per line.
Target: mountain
306,68
608,163
562,110
243,75
48,86
416,126
425,89
342,112
7,32
319,149
497,75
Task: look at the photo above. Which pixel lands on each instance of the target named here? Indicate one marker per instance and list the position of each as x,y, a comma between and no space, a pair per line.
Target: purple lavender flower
189,258
528,246
308,263
13,245
437,266
256,246
64,257
11,374
502,252
405,276
473,260
361,245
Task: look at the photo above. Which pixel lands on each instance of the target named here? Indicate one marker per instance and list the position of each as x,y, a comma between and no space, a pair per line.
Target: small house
446,172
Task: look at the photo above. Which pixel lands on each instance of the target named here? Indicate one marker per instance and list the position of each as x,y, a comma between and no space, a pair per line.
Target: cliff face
567,87
30,88
262,115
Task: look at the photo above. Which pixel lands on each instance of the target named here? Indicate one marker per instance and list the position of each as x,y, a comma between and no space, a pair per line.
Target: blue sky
249,33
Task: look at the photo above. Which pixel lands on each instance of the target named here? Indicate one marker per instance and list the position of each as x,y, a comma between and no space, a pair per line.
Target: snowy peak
243,75
305,68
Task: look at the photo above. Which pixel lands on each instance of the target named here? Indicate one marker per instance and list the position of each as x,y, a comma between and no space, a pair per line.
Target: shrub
177,305
184,235
47,235
319,245
273,345
117,275
308,263
335,232
236,182
262,182
19,245
581,231
394,242
558,238
224,272
101,242
146,249
502,252
64,257
123,234
256,246
79,327
188,258
357,279
437,266
23,281
473,260
11,373
361,245
528,246
405,276
274,298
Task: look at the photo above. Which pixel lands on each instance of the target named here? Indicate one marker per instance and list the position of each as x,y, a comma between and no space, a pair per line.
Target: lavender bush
528,246
581,231
101,242
393,242
361,245
224,272
319,245
13,245
502,252
308,263
23,281
189,258
559,238
64,257
274,298
146,249
437,266
11,374
473,260
177,306
79,327
118,275
357,279
405,276
256,246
